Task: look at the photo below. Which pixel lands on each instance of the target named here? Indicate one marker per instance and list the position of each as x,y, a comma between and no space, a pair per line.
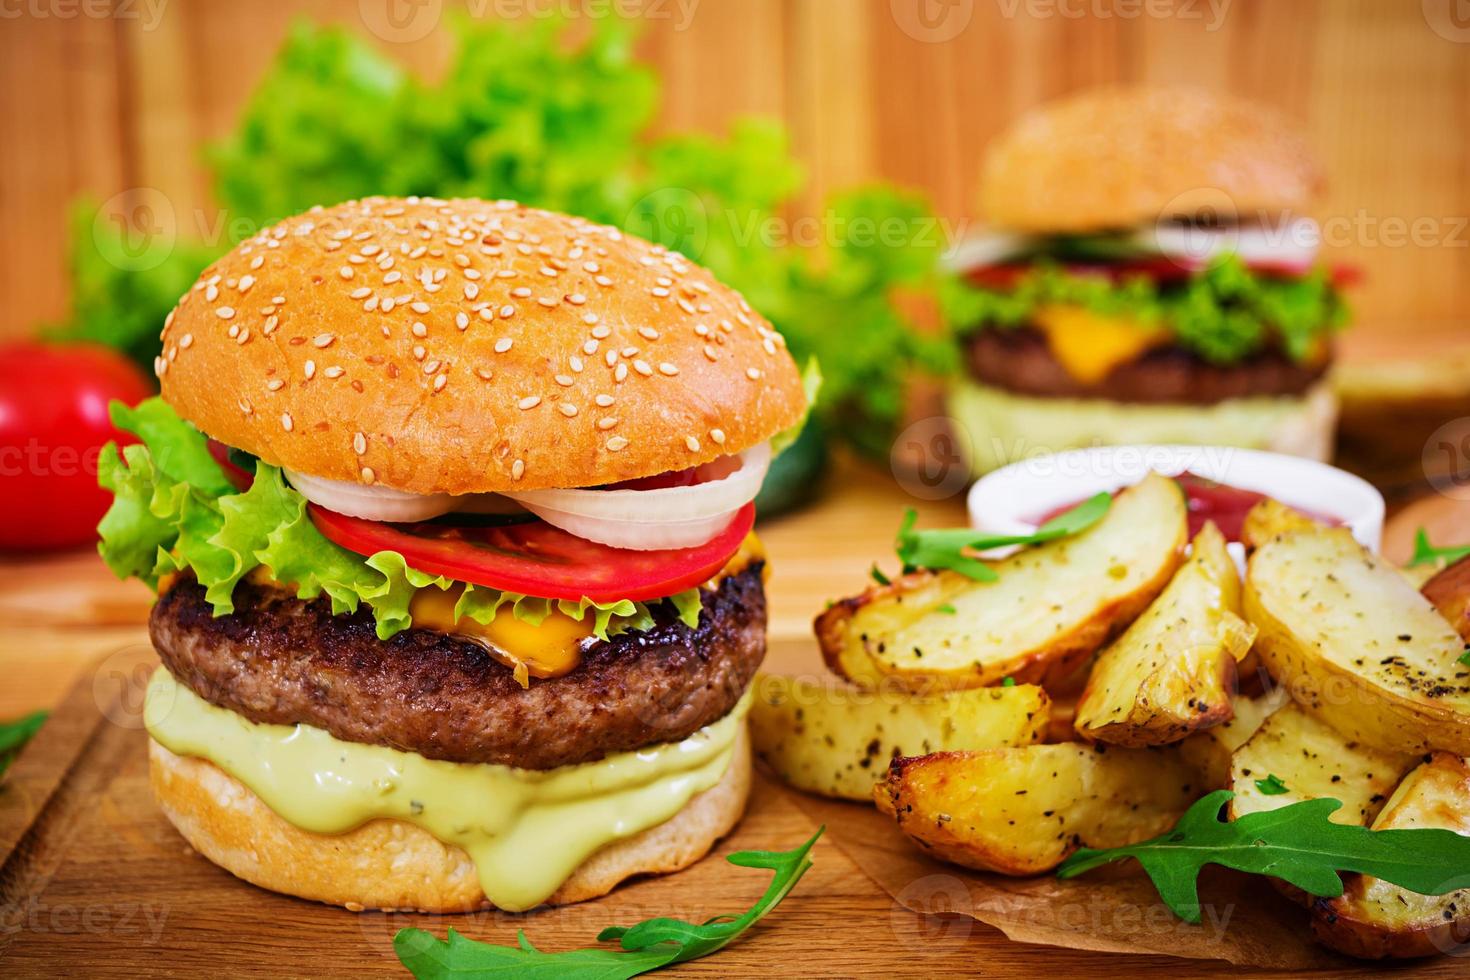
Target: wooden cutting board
95,882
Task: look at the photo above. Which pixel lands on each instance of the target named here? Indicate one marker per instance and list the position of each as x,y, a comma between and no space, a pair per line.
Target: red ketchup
1211,501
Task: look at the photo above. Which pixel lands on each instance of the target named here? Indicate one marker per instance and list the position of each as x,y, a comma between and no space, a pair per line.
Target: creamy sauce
526,830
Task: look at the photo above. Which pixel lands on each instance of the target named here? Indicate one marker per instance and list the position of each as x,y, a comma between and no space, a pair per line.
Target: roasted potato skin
1013,627
1270,518
1021,811
1356,644
1377,920
1172,672
1449,591
838,740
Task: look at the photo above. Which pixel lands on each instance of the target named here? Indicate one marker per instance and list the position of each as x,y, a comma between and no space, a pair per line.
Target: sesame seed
186,341
717,436
589,348
211,293
607,423
334,371
471,290
392,277
419,307
710,353
278,300
245,283
360,292
547,301
691,443
244,336
602,331
643,367
387,304
648,333
603,281
576,363
620,373
770,347
225,312
518,469
419,330
565,380
548,271
431,365
616,443
521,292
323,340
611,357
590,319
462,320
440,382
309,370
686,306
530,401
271,324
286,422
359,443
507,311
419,352
503,344
576,299
567,409
160,366
668,369
484,374
753,374
257,262
368,476
659,291
275,384
604,401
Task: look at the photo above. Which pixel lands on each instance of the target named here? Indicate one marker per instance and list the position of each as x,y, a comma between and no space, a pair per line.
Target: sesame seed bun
1118,157
392,864
470,346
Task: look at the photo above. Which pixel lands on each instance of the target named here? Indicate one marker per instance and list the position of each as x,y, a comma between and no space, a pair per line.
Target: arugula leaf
1272,785
1427,554
1296,843
15,734
1464,658
649,945
951,547
877,575
947,608
1008,681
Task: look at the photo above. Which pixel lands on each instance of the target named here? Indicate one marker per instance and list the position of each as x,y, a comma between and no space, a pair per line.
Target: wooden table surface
62,615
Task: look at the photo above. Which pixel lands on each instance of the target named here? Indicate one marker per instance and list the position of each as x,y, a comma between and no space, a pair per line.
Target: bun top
466,346
1125,156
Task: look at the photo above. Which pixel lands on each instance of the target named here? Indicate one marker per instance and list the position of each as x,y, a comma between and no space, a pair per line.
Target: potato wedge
1050,608
1375,919
1173,671
1210,751
838,741
1449,591
1312,759
1269,518
1022,811
1357,644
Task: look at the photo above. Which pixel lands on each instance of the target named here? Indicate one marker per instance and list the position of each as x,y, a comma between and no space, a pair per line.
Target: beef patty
283,661
1020,361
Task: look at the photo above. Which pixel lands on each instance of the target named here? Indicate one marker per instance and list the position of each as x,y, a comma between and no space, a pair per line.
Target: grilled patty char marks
1020,361
283,661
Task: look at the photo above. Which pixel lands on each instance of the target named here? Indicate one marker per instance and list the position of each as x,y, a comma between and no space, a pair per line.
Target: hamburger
1149,275
448,507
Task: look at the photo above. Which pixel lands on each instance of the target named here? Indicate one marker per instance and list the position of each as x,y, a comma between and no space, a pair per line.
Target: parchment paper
1115,910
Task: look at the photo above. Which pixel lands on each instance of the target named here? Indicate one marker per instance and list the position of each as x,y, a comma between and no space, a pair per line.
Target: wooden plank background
110,96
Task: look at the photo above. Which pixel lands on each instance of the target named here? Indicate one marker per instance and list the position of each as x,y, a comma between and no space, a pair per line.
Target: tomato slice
534,558
239,477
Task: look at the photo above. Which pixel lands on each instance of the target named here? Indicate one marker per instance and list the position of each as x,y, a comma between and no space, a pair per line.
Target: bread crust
466,346
394,865
1122,156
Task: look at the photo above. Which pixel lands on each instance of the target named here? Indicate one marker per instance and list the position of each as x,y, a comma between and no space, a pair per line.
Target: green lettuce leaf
160,523
1223,314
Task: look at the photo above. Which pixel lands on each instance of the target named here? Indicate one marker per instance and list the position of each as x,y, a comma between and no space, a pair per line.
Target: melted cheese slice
1089,346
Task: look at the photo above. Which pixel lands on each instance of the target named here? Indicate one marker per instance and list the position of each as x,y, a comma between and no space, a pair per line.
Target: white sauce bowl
1009,500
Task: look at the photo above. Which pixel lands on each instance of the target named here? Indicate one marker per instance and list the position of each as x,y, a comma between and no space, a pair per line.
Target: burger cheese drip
1089,345
526,830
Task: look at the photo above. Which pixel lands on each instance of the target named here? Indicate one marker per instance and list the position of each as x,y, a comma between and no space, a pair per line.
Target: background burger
448,506
1150,276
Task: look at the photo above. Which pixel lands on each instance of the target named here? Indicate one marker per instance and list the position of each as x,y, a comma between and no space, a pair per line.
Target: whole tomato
53,424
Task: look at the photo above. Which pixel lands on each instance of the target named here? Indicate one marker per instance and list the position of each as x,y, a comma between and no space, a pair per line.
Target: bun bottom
396,866
999,427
